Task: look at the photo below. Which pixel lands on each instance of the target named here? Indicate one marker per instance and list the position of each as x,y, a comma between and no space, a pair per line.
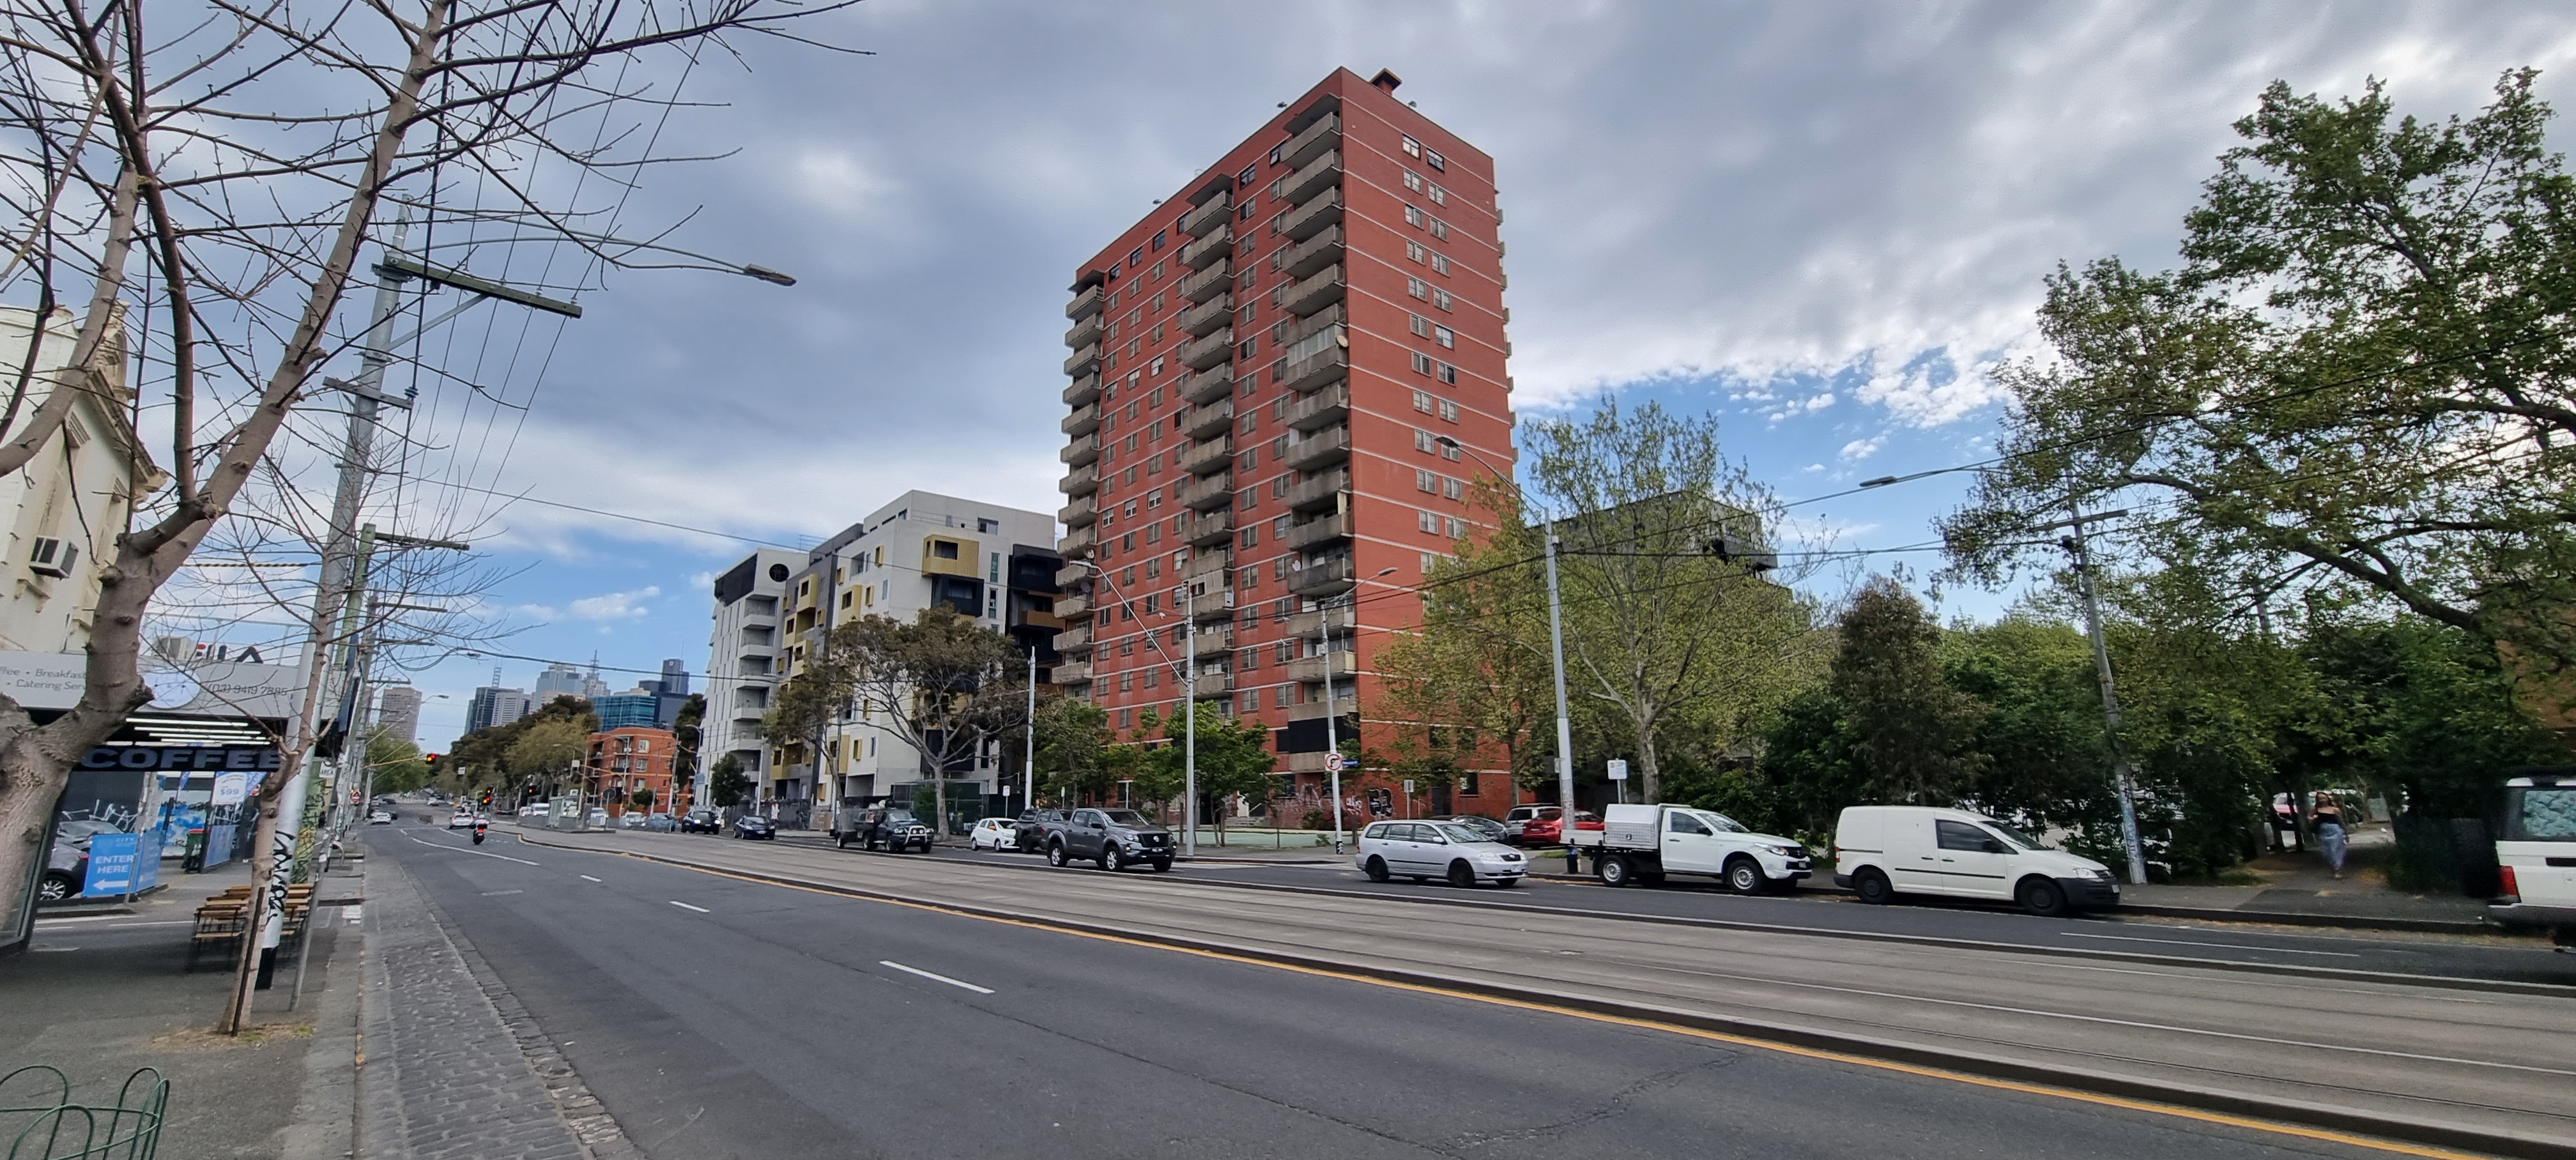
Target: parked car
1494,831
2536,857
598,816
1643,843
702,822
1111,839
657,823
1519,816
461,820
888,828
536,809
995,834
1462,854
1544,830
1034,826
1884,851
380,818
67,860
754,826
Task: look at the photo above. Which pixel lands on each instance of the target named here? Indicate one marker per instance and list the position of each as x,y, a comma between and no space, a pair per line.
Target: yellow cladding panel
951,556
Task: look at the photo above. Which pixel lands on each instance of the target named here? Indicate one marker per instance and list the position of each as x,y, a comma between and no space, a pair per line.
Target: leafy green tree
641,799
2357,389
688,731
1913,730
726,785
941,683
1072,736
549,751
1233,758
394,764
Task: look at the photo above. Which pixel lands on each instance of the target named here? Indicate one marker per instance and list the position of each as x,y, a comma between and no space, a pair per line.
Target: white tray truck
1645,843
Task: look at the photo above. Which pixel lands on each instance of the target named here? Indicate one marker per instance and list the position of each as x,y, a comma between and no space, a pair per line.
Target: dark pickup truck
1029,833
881,828
1111,839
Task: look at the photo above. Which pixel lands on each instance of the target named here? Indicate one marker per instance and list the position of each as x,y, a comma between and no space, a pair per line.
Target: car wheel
1745,876
1615,870
56,887
843,839
1112,860
1462,875
2042,897
1055,855
1376,870
1873,887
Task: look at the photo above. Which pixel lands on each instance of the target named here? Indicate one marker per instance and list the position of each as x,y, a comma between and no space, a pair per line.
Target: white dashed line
476,853
686,906
934,978
2229,946
588,878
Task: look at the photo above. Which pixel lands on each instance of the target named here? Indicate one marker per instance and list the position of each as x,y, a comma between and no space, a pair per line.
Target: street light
1190,702
1556,654
596,241
1332,723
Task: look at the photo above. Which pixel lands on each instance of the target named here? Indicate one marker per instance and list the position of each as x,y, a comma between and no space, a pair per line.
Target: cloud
614,606
1859,449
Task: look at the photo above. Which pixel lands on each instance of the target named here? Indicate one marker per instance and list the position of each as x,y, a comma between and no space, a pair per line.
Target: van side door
1973,861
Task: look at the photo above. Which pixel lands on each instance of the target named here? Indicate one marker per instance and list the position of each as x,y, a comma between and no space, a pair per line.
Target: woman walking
2328,823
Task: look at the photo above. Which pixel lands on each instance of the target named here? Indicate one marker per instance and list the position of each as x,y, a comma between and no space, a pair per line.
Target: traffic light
486,800
431,760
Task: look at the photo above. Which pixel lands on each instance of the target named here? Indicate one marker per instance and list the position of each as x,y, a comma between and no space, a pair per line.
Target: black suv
1111,839
1029,833
883,828
701,822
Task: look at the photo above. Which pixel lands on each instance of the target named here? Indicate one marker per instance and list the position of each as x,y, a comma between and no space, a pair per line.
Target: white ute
1644,843
1881,851
2536,854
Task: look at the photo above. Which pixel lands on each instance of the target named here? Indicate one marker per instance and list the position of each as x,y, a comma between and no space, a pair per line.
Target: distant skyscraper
559,680
592,687
398,711
492,707
636,708
675,677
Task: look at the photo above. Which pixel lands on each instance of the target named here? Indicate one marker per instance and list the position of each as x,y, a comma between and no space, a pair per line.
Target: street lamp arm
600,244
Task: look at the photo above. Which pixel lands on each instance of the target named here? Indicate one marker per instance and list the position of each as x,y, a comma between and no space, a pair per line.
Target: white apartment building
73,498
997,564
742,661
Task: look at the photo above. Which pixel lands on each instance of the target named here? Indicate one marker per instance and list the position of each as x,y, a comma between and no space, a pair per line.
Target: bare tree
248,151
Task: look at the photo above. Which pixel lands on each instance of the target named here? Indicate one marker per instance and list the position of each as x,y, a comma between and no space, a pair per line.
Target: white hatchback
1426,850
993,834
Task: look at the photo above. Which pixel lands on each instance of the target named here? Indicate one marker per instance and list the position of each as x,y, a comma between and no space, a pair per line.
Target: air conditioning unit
52,557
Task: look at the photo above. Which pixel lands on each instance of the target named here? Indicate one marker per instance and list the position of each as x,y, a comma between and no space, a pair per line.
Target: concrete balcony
1081,511
1209,421
1310,180
1321,409
1084,390
1215,491
1215,527
1312,534
1083,333
1311,670
1318,137
1200,354
1210,566
1072,672
1082,360
1083,481
1208,283
1330,445
1208,458
1074,640
1213,684
1078,541
1320,369
1084,420
1198,254
1073,607
1081,451
1085,303
1322,493
1071,574
1324,209
1211,644
1314,253
1206,386
1315,293
1198,320
1306,625
1208,215
1328,577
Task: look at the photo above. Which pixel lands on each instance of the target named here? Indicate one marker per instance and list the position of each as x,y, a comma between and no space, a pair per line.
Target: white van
1883,851
2536,855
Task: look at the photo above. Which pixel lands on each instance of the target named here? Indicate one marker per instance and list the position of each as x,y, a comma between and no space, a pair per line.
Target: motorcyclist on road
478,830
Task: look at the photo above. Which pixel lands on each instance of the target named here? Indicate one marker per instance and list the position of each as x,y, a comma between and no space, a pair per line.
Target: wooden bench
224,918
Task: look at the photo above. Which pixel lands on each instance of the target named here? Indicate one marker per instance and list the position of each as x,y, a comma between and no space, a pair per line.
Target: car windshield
1125,818
1722,823
1458,833
2016,837
898,815
83,830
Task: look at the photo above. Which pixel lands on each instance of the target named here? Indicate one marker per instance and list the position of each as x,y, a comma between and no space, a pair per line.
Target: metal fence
42,1122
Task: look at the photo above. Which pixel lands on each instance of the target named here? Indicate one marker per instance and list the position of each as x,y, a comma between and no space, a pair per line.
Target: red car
1542,830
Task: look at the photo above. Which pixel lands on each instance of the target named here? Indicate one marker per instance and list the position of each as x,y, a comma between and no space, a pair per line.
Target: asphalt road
717,1017
2470,957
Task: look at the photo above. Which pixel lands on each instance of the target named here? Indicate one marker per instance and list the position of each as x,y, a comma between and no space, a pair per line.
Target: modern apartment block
993,563
742,660
1283,380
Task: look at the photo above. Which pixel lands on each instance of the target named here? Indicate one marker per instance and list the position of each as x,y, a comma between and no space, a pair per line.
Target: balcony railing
1211,644
1322,577
1208,249
1208,458
1213,683
1314,253
1072,672
1208,215
1209,607
1078,540
1307,182
1087,302
1083,333
1323,491
1324,209
1081,451
1330,445
1209,421
1311,670
1213,492
1084,420
1084,480
1073,606
1074,640
1200,354
1208,385
1301,625
1324,531
1323,368
1081,511
1208,315
1081,360
1215,527
1207,283
1322,409
1083,390
1071,574
1216,563
1315,293
1304,147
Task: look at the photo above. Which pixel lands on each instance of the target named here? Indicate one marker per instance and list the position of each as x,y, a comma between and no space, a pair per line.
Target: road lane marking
588,878
2184,942
82,918
499,893
934,978
476,853
686,906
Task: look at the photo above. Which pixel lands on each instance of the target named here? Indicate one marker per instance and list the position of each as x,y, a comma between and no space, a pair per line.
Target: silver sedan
1425,850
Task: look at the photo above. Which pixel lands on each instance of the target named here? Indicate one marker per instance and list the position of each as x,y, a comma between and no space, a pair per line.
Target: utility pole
1029,734
2077,546
1564,721
1332,726
1190,705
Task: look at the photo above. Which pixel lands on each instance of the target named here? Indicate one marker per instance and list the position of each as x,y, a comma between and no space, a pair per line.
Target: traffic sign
1618,770
1335,763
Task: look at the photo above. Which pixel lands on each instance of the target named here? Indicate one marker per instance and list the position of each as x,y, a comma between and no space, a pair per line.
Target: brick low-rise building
625,760
1283,381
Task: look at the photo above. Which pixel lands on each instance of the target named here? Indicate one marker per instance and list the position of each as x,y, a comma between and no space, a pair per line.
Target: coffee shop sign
181,757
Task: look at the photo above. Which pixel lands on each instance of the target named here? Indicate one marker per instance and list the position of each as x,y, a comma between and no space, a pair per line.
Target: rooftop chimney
1386,79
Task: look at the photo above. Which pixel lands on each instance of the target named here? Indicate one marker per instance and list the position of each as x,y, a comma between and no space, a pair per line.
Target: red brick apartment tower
1263,371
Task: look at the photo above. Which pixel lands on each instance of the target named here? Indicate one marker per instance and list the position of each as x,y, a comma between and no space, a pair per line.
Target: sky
1824,223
